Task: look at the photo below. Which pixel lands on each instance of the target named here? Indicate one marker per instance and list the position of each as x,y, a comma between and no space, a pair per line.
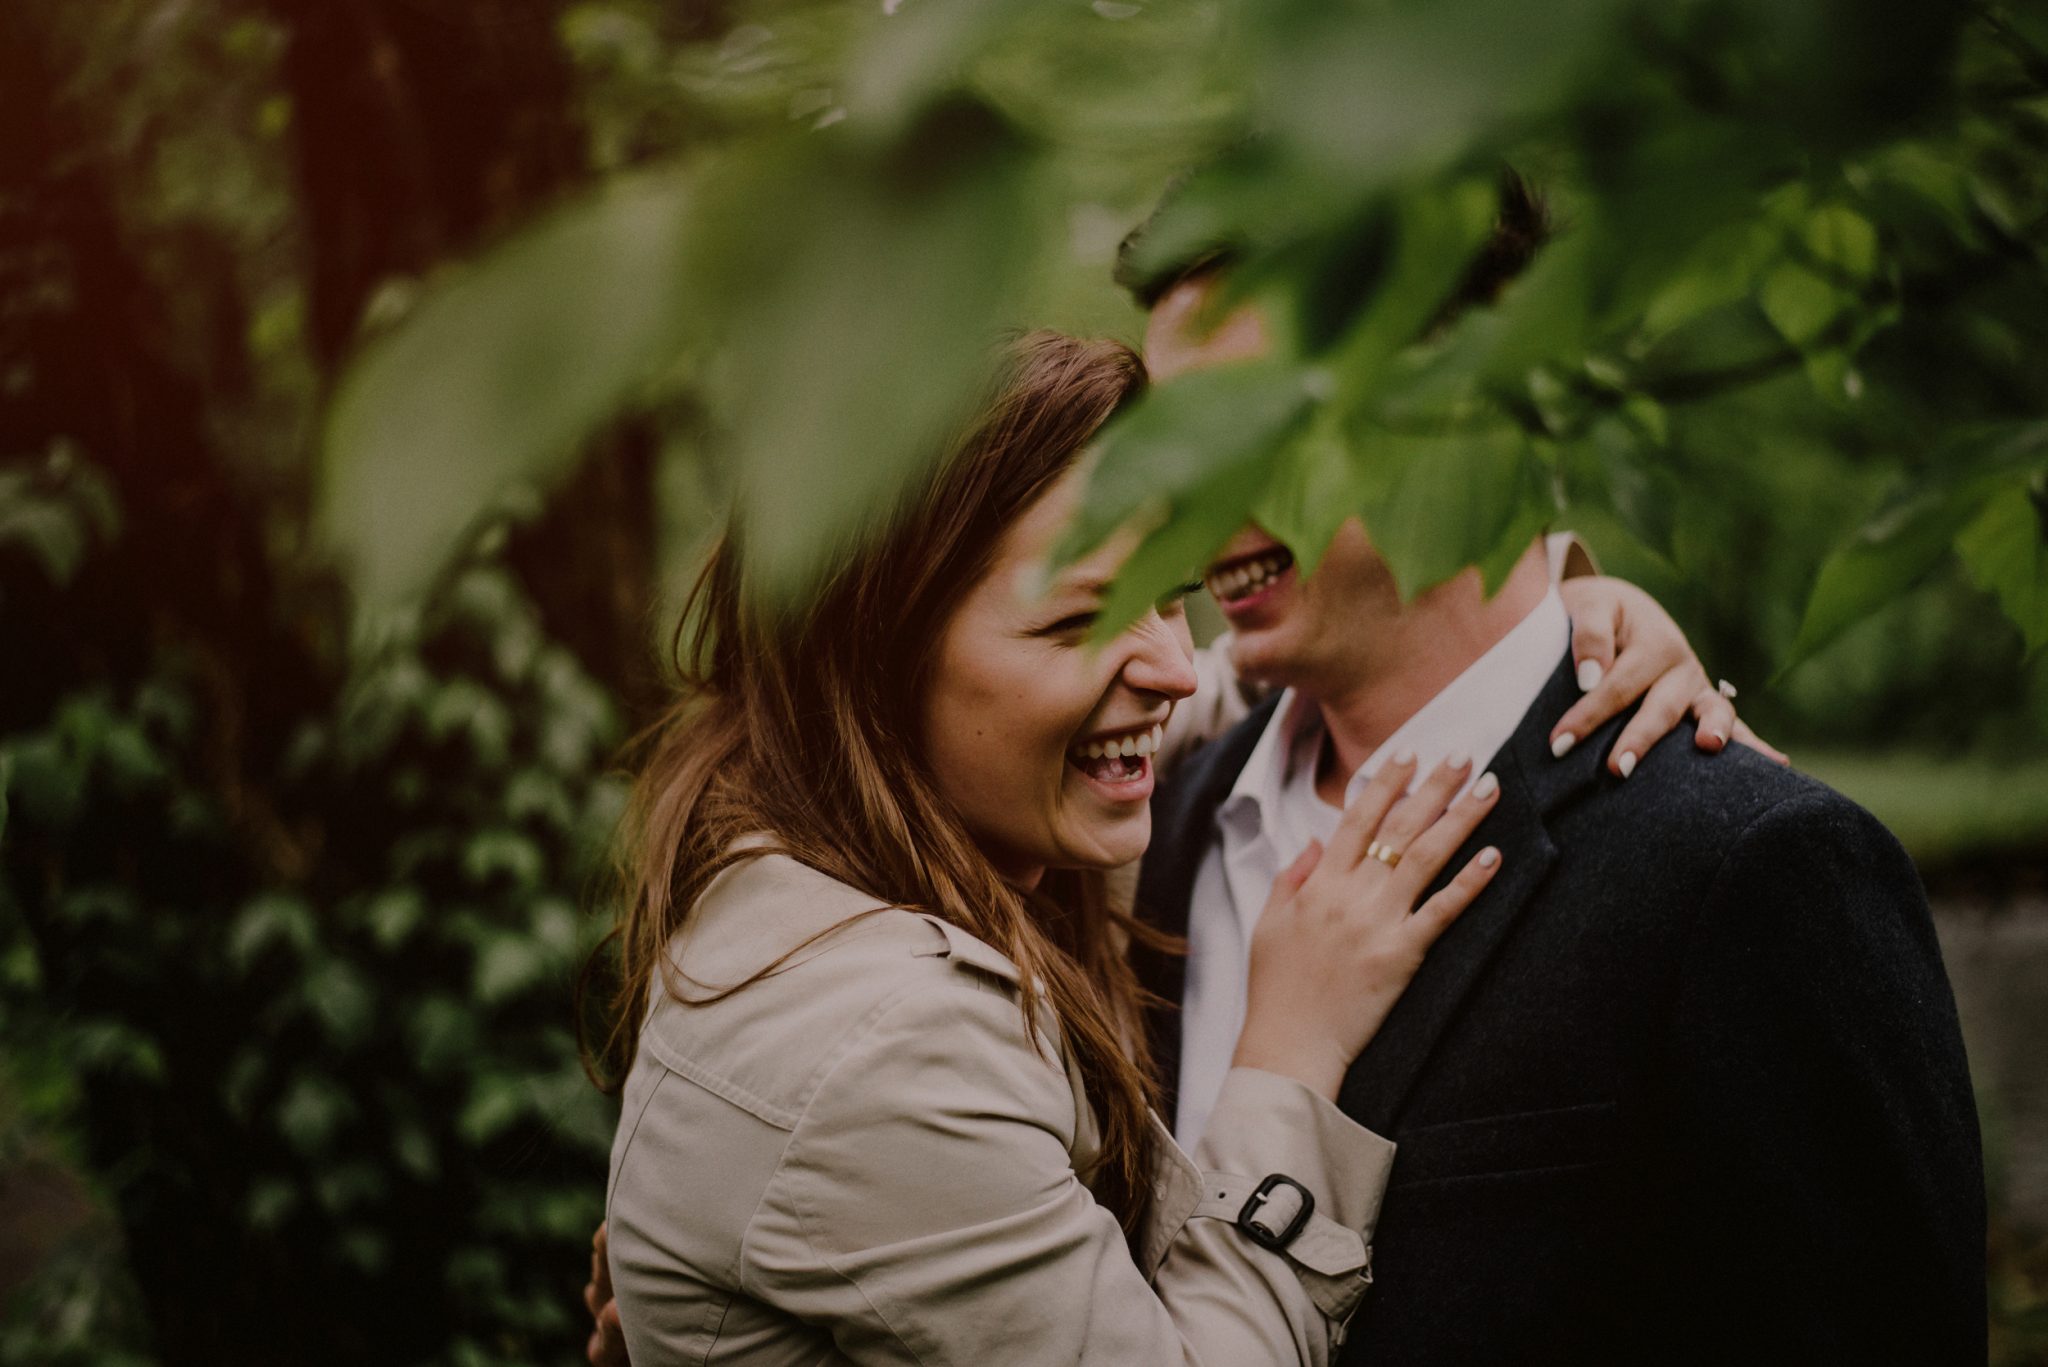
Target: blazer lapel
1377,1087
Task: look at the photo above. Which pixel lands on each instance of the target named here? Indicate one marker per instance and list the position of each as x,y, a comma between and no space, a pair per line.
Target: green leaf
497,375
861,297
1310,493
1882,561
1800,303
1914,533
500,853
394,914
312,1112
918,55
273,918
342,1001
507,966
1441,503
1185,436
2005,549
496,1101
270,1202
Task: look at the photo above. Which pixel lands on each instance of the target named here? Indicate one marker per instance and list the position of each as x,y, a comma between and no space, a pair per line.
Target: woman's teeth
1135,743
1243,580
1119,759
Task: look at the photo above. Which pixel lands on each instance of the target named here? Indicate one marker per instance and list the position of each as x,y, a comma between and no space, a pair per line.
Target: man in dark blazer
1686,1084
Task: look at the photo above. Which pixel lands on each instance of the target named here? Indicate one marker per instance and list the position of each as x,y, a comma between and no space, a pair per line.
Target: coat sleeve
1831,1189
927,1211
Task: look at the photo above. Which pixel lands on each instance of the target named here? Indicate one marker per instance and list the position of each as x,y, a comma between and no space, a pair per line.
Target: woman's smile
1117,763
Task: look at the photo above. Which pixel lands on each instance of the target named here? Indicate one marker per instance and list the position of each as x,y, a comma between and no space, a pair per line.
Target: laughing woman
885,1098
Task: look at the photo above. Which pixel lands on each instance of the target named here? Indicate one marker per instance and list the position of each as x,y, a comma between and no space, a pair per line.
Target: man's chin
1263,656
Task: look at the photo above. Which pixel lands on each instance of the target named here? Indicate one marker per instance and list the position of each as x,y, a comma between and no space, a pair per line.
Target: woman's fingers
1715,716
1417,812
1294,875
1592,648
1426,857
1759,744
1361,820
1663,708
1635,672
1434,917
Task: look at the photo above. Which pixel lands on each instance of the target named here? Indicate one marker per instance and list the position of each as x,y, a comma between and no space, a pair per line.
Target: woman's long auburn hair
804,726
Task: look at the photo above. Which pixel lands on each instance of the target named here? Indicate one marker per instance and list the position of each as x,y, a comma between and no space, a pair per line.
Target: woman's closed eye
1071,623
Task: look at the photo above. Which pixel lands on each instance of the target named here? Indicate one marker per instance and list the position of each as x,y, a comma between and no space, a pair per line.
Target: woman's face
1021,711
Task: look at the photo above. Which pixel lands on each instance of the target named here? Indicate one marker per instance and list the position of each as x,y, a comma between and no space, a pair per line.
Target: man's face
1285,629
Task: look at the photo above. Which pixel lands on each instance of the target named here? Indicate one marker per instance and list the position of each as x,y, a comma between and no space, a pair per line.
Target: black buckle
1260,1234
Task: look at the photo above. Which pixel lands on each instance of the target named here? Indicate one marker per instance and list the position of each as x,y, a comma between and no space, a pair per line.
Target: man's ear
1570,557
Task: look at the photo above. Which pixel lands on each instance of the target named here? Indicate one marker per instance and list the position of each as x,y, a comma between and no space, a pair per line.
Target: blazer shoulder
1729,797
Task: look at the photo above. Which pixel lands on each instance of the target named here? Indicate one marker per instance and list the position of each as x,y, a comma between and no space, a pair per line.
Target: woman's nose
1160,662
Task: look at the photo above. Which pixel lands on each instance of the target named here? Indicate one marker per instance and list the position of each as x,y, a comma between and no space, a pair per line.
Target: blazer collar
1533,785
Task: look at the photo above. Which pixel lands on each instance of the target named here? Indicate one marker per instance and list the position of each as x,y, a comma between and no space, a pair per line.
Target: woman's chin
1109,844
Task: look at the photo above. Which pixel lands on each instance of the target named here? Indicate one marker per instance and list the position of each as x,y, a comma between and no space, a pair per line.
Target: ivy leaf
274,918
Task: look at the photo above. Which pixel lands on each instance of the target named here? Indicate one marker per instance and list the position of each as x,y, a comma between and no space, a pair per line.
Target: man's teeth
1240,580
1136,744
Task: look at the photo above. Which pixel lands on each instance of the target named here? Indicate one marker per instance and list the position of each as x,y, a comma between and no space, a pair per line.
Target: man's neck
1437,638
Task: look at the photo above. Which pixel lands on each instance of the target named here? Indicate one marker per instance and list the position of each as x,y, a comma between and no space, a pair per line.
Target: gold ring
1386,854
1726,690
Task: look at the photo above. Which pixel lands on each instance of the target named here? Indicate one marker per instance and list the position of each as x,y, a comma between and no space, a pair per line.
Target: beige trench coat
864,1158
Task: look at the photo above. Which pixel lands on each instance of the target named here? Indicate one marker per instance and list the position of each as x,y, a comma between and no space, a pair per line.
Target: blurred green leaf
1437,504
342,1001
496,376
1180,436
2005,549
860,319
507,966
1912,536
273,918
394,914
503,854
312,1112
270,1202
496,1102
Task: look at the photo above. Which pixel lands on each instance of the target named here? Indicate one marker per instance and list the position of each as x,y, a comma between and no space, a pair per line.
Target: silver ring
1726,690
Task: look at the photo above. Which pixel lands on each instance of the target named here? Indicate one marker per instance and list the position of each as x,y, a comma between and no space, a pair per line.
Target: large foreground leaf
494,379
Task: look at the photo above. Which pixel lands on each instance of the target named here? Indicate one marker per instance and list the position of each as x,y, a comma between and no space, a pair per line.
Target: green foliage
1744,192
338,1072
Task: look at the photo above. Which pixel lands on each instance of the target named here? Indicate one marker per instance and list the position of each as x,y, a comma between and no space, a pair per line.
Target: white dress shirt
1273,811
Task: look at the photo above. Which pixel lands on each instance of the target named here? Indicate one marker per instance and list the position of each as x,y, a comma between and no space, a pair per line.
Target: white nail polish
1486,787
1460,760
1563,744
1627,763
1590,674
1405,757
1488,857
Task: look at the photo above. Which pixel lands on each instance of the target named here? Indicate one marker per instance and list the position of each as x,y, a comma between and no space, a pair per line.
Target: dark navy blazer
1685,1084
